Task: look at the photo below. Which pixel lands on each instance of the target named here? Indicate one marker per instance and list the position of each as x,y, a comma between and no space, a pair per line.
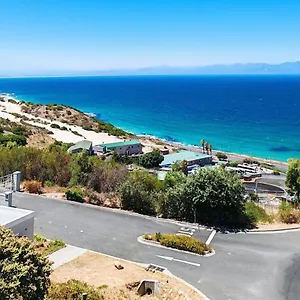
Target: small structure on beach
192,158
123,147
81,146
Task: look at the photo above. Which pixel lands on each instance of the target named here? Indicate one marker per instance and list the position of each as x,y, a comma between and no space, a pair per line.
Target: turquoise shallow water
255,115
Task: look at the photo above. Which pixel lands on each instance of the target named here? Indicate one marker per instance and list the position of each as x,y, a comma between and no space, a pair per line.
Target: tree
203,144
206,147
214,194
151,159
210,148
181,166
25,274
138,192
293,177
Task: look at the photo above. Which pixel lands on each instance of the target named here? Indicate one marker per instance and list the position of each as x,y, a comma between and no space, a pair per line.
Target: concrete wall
24,228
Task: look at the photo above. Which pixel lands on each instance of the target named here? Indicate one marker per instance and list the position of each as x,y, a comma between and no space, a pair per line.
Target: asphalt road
245,266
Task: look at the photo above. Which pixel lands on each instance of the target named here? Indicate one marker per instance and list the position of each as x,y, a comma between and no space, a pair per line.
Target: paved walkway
65,255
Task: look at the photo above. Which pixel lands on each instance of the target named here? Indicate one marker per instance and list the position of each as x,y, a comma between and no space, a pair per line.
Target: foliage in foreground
24,272
180,242
73,290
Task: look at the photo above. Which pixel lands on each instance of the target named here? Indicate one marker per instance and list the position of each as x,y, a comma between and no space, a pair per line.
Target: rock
118,266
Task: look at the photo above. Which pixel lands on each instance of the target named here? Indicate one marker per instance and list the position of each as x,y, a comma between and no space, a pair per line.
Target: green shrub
74,195
256,214
55,245
180,242
233,164
284,205
276,171
254,197
25,274
221,156
63,128
48,183
53,125
39,238
73,290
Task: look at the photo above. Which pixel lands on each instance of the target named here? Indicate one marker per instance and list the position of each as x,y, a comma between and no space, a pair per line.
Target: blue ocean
255,115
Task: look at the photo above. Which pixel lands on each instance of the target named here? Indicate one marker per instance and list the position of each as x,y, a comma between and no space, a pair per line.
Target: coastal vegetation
180,242
293,178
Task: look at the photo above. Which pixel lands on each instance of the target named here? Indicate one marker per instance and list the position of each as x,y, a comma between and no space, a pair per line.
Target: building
192,158
81,146
124,147
20,221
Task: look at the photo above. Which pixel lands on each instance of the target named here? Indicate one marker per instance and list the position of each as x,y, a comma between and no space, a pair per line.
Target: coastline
150,140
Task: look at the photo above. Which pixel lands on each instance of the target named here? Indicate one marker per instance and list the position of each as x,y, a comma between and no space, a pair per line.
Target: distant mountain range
234,69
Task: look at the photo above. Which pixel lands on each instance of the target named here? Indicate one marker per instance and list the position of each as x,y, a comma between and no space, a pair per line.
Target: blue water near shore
255,115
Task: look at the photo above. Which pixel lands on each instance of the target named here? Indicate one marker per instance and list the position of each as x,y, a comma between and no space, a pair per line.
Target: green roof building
124,147
193,158
81,146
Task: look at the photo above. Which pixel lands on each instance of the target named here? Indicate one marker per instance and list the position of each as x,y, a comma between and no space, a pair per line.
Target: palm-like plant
203,144
210,148
206,147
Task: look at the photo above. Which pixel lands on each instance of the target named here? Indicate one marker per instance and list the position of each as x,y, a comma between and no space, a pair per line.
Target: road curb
278,230
141,240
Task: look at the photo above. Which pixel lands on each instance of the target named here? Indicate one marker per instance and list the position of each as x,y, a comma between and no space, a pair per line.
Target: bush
63,128
73,290
48,183
276,171
74,195
233,164
33,186
289,216
180,242
221,156
25,274
53,125
256,214
254,197
95,198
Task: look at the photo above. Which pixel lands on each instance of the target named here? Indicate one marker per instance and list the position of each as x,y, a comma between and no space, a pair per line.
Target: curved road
245,266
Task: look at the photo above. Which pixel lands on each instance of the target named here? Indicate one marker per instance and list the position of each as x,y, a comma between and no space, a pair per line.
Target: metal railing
7,183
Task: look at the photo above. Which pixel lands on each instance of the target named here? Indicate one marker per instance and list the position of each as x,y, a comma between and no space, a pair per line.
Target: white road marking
179,260
210,238
185,232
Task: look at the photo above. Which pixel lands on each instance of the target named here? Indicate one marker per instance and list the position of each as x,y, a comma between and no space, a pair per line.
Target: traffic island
178,242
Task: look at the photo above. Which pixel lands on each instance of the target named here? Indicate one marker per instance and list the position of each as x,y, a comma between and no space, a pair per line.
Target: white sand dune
7,109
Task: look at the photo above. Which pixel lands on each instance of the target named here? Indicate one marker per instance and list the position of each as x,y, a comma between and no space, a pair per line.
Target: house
192,158
99,150
81,146
124,147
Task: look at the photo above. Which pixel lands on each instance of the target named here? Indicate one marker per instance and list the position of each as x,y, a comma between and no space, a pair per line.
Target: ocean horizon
254,115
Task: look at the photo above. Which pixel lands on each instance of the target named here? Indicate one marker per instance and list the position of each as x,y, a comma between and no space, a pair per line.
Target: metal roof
81,145
120,144
170,159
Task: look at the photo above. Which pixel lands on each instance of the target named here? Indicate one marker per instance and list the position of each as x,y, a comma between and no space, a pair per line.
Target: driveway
245,266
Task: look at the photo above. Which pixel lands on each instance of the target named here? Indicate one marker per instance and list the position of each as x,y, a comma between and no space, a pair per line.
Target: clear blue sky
109,34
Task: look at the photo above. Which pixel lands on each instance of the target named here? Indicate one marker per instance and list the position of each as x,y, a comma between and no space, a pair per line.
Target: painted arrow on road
178,260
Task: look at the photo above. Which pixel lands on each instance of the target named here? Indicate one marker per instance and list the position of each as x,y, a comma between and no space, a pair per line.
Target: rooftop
120,144
170,159
82,145
11,214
